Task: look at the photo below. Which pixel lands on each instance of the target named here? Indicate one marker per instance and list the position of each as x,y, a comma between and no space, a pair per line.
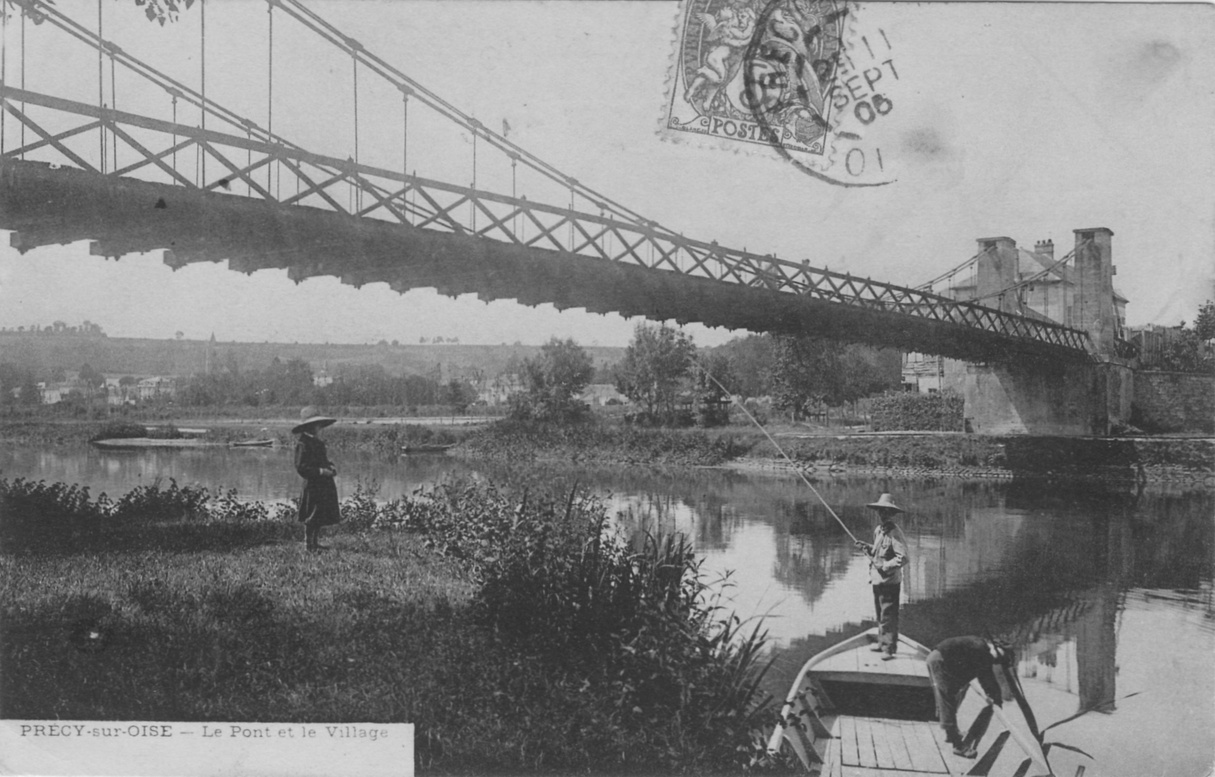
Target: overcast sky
1013,119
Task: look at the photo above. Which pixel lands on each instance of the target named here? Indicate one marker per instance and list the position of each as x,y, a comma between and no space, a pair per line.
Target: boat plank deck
884,747
864,771
833,763
898,747
848,744
883,731
864,743
922,747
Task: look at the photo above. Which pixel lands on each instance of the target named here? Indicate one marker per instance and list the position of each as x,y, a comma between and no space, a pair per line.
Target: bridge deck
46,206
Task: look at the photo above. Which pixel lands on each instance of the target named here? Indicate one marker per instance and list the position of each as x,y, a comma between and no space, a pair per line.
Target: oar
1087,710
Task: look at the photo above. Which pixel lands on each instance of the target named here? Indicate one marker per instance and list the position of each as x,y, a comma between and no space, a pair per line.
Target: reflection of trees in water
1055,578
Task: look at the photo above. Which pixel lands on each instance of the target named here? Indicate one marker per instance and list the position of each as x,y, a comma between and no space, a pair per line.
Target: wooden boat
185,431
253,444
130,443
851,714
412,449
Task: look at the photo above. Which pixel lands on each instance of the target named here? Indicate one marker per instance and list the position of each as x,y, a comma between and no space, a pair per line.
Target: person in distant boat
319,500
887,556
951,667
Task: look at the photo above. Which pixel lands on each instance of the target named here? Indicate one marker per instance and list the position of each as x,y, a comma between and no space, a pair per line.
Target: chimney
1045,249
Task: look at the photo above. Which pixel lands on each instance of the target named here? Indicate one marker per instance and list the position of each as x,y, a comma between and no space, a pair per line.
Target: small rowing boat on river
132,443
851,714
253,444
412,449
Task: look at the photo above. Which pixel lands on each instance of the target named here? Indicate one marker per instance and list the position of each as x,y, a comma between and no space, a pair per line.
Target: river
1107,591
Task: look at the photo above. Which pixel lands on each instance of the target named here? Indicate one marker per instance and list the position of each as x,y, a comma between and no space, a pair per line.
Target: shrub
633,625
909,411
57,515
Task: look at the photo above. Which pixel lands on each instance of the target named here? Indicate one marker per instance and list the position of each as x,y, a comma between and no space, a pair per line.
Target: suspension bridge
150,162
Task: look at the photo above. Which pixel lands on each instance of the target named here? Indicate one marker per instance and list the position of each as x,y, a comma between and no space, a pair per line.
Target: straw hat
312,419
1002,652
885,502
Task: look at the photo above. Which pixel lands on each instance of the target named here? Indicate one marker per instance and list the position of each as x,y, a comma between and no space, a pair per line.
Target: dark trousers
886,610
948,694
312,535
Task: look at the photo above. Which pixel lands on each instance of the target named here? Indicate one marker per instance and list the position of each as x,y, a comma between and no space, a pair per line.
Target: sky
1019,119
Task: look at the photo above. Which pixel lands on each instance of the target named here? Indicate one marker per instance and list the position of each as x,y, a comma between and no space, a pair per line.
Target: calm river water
1107,590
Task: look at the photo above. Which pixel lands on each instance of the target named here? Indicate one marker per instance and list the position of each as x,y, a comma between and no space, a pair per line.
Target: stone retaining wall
1174,402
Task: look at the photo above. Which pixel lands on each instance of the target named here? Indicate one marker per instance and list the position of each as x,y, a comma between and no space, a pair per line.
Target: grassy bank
905,453
609,443
511,628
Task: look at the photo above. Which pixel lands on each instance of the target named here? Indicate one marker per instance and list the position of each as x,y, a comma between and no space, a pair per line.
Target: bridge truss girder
48,206
411,232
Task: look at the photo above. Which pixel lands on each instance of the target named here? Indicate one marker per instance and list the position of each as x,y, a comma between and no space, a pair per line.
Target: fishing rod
781,450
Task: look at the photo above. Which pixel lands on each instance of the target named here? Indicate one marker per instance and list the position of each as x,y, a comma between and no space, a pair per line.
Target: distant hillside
139,356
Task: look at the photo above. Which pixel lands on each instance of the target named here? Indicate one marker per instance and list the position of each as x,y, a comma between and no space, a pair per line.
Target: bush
604,442
908,411
635,626
57,515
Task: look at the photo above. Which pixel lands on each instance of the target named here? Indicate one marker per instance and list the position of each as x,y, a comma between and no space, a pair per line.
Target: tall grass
633,625
606,442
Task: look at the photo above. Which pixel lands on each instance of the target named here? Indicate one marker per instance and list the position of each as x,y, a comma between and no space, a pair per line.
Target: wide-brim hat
885,502
1002,652
311,418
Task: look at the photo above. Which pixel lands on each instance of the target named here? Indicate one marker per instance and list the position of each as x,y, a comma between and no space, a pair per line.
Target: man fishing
887,556
951,667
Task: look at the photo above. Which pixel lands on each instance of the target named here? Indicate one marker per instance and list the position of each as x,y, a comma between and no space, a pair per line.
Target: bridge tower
997,270
1040,396
1095,289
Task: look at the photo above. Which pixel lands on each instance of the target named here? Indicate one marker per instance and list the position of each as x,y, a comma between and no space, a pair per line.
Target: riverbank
904,454
909,454
177,604
375,435
960,455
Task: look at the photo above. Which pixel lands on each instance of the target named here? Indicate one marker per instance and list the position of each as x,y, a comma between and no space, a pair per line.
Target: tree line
668,380
672,383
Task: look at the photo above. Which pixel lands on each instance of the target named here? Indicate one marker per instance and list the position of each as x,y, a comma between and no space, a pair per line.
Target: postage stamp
797,78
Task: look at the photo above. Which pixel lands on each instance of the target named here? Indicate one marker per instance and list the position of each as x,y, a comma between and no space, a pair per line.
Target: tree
803,371
29,394
553,381
655,368
1204,324
814,371
459,394
89,376
715,381
1187,353
750,360
12,378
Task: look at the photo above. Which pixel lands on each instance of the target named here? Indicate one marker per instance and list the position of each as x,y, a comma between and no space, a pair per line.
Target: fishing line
781,450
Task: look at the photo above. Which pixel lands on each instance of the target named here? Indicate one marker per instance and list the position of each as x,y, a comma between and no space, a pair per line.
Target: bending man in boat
887,556
951,667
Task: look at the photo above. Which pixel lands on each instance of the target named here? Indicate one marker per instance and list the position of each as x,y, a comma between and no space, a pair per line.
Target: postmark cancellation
781,77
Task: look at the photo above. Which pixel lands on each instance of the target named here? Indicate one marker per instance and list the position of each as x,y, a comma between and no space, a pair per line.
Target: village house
600,394
498,390
1052,297
156,388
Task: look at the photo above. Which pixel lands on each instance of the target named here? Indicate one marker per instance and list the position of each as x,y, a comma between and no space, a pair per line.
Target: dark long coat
319,499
